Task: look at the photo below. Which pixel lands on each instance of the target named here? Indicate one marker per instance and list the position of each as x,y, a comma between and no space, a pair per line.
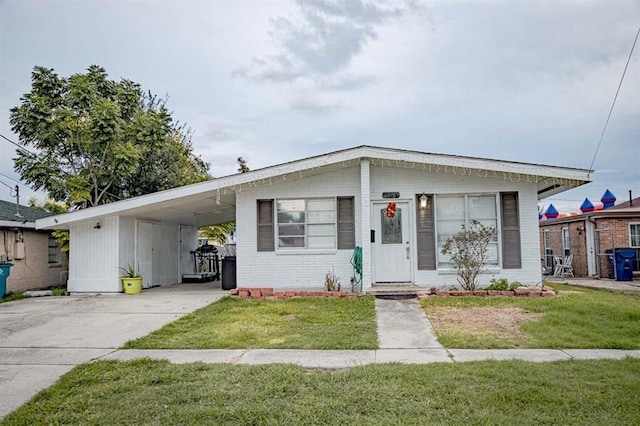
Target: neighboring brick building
588,236
37,260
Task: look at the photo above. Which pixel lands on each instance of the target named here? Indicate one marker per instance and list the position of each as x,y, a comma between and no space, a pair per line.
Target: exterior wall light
423,201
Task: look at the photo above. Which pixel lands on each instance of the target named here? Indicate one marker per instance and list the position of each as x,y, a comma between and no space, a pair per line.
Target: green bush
503,284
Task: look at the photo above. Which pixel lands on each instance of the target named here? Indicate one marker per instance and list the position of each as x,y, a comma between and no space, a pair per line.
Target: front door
391,243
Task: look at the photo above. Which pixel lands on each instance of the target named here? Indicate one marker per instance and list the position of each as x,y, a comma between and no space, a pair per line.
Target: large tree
98,140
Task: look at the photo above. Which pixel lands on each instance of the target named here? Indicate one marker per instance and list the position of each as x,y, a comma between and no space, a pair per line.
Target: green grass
301,323
11,296
584,318
603,392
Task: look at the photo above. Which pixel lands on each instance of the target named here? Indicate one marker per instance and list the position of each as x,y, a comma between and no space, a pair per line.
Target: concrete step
393,290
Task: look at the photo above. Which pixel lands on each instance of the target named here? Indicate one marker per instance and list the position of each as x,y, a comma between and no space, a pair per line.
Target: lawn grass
582,318
11,297
573,392
299,323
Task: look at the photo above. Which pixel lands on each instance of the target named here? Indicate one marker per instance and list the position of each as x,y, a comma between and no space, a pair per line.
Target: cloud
321,43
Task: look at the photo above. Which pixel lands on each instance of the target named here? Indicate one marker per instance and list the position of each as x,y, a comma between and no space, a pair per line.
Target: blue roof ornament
551,212
587,206
608,199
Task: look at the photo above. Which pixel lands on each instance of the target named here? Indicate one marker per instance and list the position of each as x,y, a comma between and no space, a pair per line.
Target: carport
155,233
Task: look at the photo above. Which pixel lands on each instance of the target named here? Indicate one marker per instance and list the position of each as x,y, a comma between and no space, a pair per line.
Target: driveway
43,338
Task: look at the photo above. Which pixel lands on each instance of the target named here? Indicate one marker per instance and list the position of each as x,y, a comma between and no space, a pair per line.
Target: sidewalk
602,283
405,336
345,359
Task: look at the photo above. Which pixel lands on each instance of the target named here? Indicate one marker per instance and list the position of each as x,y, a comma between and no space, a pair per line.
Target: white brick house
297,221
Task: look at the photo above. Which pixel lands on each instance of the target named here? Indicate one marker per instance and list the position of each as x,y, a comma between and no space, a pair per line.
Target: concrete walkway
601,283
402,324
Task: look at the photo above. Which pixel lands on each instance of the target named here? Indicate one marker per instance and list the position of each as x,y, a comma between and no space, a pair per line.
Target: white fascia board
228,183
501,166
15,224
343,156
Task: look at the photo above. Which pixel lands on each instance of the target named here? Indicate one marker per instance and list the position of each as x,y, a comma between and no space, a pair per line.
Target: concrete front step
389,290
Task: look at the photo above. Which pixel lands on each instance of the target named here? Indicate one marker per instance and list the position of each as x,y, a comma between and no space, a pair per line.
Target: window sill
55,265
305,252
491,271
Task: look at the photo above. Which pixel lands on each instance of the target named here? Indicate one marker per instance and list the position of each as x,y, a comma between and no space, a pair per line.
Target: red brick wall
577,243
613,233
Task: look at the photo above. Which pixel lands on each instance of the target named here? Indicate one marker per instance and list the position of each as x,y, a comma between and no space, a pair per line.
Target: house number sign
390,195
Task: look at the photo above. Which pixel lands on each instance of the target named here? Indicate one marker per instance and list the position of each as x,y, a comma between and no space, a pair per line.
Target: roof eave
567,177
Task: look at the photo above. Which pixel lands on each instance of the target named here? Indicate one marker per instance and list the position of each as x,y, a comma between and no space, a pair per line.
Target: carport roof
213,201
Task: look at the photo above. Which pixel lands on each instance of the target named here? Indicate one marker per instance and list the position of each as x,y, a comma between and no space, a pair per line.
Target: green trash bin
5,271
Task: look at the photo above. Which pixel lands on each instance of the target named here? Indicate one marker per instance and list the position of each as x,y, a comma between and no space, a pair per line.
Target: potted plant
131,280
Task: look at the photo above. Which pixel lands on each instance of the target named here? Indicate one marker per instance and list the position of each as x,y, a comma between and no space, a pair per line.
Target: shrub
503,284
331,282
468,252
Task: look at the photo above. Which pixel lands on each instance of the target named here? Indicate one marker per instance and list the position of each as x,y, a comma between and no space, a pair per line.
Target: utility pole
17,189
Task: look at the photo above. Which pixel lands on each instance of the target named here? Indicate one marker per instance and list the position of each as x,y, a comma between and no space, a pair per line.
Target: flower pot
132,285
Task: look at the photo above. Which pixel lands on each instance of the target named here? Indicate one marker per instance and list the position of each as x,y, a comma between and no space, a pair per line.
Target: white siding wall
302,270
286,270
166,254
188,242
127,242
411,182
94,257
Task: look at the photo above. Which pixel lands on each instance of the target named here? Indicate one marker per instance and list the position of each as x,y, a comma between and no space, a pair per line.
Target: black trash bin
612,263
625,257
228,272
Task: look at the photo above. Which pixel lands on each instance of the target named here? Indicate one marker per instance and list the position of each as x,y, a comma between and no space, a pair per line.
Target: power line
614,101
16,144
11,188
16,181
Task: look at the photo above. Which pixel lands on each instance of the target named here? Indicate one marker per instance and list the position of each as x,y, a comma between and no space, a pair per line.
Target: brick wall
577,243
34,271
613,233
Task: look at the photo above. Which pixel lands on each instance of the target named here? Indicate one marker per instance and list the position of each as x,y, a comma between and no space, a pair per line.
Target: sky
279,80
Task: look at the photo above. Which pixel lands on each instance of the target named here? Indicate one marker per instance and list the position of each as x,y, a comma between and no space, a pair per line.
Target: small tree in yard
468,252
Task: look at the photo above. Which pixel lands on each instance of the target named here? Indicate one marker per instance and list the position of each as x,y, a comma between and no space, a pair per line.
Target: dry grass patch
503,323
578,318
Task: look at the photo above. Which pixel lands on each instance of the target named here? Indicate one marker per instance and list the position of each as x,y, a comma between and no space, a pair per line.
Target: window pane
483,206
450,207
291,242
315,205
291,217
391,227
291,205
291,230
448,228
321,242
634,230
322,217
322,230
492,254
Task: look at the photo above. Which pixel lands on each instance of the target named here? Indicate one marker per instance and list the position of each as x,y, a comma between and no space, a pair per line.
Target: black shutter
346,223
426,243
510,216
266,240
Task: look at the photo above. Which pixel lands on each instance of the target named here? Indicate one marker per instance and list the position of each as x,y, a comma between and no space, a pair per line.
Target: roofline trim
341,156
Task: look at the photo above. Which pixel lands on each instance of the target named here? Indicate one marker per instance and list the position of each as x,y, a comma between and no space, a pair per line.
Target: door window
391,227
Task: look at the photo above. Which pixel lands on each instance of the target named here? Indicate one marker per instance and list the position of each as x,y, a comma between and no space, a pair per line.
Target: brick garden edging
268,293
520,291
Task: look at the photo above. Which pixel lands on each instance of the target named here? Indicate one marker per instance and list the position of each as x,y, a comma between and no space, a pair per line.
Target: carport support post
365,220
